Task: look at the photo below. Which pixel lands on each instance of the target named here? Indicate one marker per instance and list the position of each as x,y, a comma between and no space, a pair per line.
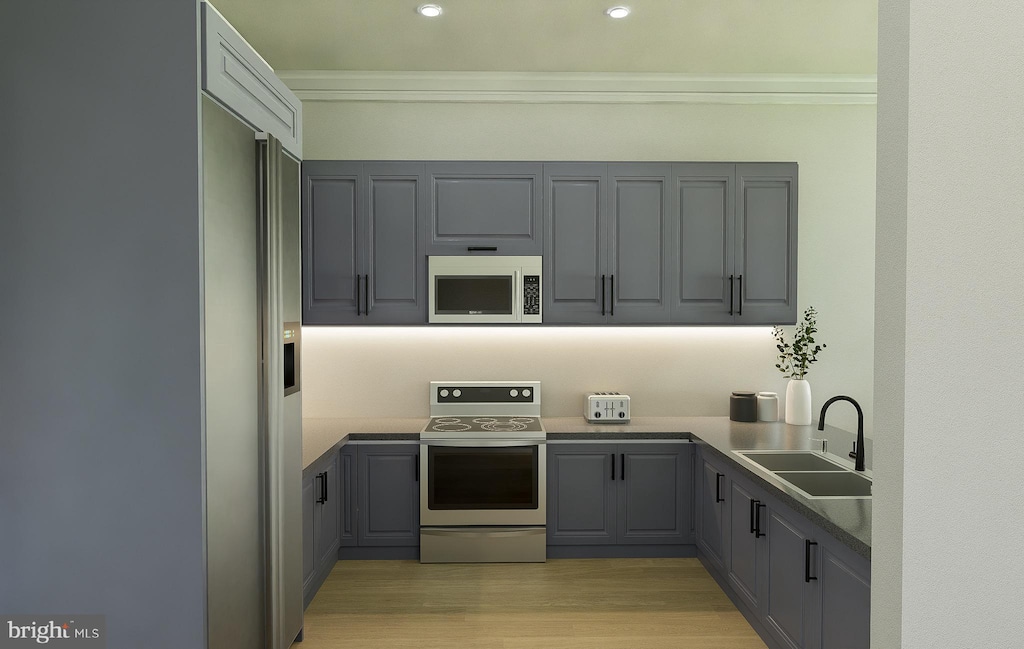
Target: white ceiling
678,36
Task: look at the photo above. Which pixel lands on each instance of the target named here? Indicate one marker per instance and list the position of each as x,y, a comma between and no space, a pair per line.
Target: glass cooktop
484,425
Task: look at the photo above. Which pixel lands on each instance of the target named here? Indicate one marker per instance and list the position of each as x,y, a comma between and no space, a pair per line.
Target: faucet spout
859,466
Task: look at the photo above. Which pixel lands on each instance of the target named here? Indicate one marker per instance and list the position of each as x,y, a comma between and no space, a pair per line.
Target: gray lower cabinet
619,494
350,492
804,589
485,208
607,253
321,507
363,237
388,495
734,230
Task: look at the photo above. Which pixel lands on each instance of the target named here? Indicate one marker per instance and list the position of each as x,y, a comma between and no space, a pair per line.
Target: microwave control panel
531,294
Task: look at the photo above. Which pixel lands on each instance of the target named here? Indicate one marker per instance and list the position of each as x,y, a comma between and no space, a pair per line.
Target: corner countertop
848,520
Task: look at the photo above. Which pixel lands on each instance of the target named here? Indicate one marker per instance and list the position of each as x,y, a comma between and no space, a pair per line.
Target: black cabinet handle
753,507
366,294
718,487
757,520
327,491
322,479
603,279
741,295
807,560
482,248
417,467
623,471
611,303
613,466
359,295
732,298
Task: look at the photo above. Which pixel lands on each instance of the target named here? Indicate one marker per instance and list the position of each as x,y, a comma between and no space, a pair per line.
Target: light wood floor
561,604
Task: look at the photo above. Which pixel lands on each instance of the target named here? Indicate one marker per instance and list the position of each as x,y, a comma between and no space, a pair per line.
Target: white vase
798,402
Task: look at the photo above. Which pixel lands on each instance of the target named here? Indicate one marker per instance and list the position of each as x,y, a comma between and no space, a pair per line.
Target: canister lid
768,395
745,395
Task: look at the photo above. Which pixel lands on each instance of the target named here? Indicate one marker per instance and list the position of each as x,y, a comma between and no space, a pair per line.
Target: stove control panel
606,408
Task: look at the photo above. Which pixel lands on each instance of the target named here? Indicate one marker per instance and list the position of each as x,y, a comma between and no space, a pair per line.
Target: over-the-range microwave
492,289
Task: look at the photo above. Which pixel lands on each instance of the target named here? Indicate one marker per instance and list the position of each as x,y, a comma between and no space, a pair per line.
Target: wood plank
561,604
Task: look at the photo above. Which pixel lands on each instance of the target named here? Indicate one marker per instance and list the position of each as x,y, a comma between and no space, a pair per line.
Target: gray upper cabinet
239,78
734,231
766,210
485,208
363,241
606,254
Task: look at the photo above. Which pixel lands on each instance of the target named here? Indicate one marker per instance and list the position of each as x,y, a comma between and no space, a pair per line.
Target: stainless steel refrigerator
251,386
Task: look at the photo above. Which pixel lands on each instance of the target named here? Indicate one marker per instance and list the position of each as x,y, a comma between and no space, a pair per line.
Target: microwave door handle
517,296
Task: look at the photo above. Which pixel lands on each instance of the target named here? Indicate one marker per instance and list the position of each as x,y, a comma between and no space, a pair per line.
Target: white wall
956,71
834,146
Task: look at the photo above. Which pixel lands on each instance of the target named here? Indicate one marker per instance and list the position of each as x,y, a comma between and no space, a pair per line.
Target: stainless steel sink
813,474
820,484
791,461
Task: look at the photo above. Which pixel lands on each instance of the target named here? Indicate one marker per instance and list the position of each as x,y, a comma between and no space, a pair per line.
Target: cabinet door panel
349,497
711,518
745,564
639,243
388,495
845,601
485,204
654,494
330,237
328,514
581,494
309,491
575,242
703,211
767,203
396,265
787,607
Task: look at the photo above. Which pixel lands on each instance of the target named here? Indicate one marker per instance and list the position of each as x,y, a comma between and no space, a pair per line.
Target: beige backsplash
668,371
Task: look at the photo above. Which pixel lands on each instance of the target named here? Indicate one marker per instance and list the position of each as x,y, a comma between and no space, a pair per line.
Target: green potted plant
795,358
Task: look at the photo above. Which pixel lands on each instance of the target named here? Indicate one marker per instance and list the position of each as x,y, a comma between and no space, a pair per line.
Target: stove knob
526,392
456,393
444,392
513,393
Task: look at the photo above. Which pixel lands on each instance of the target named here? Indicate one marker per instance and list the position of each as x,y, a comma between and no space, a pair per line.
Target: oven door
483,482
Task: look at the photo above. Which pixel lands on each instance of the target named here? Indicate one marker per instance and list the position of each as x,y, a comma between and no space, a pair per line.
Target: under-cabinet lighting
430,11
618,12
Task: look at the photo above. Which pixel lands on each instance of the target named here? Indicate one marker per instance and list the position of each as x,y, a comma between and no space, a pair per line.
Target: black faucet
860,427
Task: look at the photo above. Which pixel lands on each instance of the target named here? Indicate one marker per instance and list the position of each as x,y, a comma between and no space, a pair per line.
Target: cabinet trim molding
581,88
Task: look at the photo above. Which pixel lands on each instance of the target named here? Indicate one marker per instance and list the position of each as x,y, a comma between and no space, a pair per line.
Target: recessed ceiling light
430,11
618,12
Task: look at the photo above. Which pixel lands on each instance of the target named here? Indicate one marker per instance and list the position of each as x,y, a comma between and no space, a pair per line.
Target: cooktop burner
485,424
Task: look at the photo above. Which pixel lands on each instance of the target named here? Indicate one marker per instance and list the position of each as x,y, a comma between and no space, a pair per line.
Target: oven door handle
483,443
483,532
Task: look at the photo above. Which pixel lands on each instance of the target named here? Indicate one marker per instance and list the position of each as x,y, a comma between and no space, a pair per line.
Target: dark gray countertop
848,520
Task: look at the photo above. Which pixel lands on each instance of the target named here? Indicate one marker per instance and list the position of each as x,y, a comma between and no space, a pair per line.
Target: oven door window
473,294
482,478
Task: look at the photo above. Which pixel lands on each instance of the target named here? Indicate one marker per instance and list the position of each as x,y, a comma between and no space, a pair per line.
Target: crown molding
580,88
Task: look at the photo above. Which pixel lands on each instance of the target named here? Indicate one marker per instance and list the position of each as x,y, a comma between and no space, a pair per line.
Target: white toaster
606,408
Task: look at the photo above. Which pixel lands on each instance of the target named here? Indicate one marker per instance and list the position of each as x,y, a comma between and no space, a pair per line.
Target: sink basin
791,461
844,484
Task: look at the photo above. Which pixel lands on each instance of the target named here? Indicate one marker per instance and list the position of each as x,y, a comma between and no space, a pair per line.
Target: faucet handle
824,444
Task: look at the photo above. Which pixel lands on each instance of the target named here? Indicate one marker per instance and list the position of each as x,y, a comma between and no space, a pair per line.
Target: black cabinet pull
321,478
359,295
732,298
741,295
417,467
753,507
613,466
366,293
482,248
807,560
603,279
718,487
611,303
327,491
757,520
623,471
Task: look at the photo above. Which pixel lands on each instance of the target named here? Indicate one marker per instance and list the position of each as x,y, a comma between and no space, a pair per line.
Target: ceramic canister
767,406
743,406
